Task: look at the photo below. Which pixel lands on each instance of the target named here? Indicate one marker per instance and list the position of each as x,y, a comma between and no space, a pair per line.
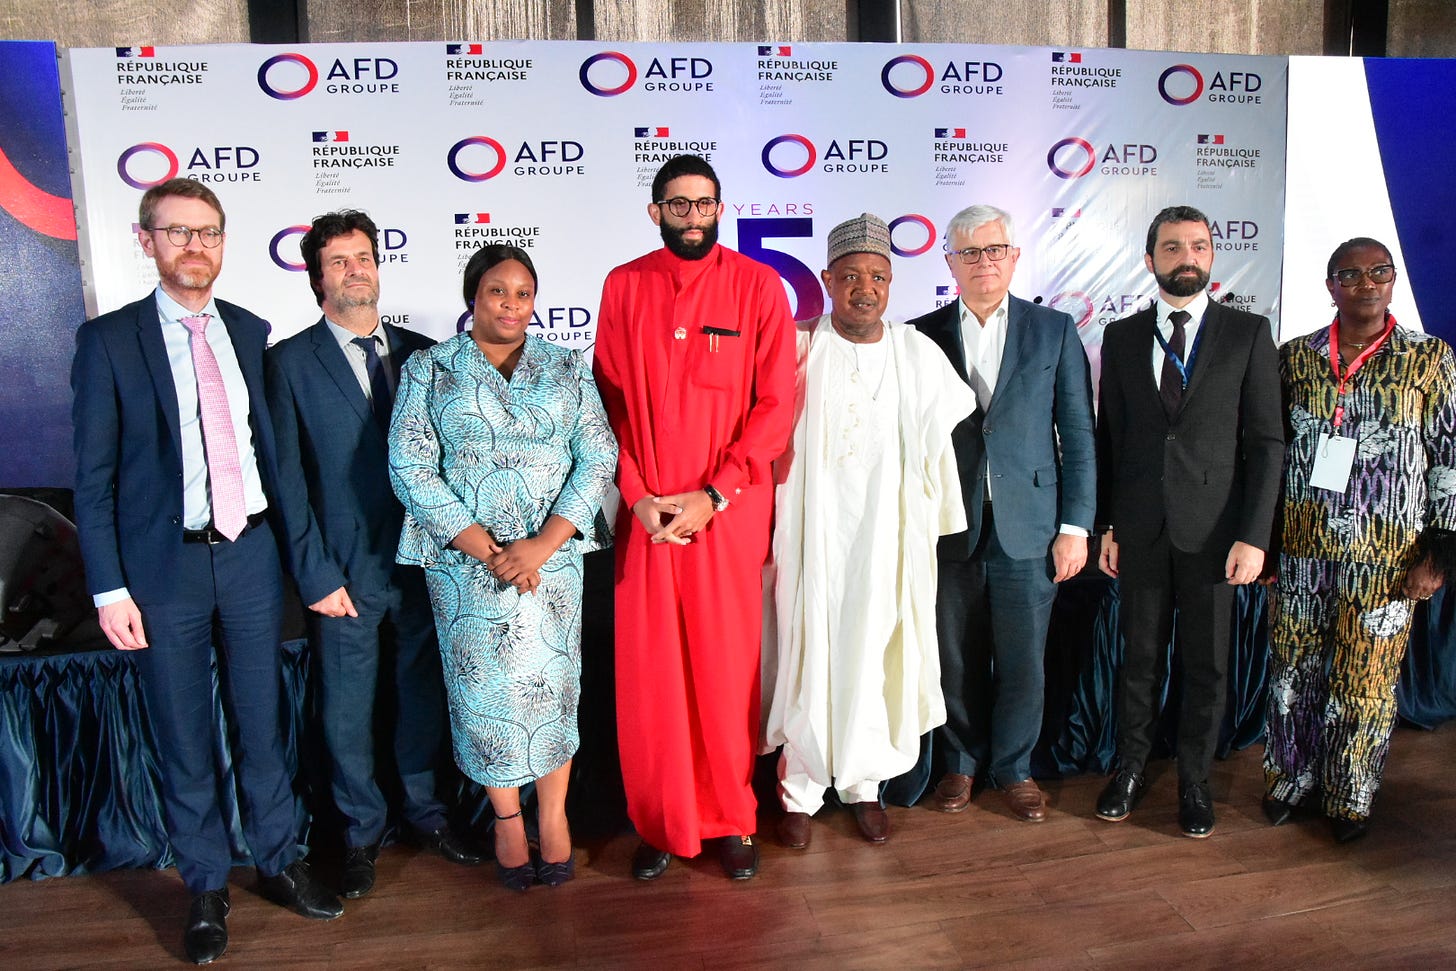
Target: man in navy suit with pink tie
175,470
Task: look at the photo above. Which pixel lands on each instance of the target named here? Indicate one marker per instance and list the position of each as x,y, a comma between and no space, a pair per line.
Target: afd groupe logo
611,73
560,325
911,234
284,251
1075,304
1074,157
790,156
288,77
1234,235
910,76
1184,84
151,163
479,158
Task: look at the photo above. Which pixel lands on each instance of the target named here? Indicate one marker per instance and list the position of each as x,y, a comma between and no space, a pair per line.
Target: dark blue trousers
991,615
240,586
350,653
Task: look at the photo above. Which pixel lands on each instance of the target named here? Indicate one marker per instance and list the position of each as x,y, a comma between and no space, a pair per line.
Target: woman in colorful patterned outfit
1369,510
501,453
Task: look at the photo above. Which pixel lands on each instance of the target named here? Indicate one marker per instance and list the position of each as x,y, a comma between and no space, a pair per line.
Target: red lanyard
1355,365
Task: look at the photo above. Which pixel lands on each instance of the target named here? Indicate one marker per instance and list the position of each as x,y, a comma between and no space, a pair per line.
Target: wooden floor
975,890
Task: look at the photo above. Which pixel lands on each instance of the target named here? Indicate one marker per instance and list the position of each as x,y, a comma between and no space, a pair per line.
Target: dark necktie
1170,388
381,388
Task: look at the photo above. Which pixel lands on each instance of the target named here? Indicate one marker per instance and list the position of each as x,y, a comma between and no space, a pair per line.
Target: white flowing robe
851,708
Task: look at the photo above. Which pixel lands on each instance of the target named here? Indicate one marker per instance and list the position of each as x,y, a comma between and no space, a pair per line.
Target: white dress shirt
1196,308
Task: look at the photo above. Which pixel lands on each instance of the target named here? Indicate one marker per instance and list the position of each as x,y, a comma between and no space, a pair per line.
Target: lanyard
1184,369
1355,365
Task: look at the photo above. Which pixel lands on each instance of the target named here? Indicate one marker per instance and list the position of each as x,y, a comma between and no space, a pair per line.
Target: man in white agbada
869,483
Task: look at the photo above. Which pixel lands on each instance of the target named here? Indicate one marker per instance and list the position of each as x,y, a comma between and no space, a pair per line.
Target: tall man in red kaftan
695,363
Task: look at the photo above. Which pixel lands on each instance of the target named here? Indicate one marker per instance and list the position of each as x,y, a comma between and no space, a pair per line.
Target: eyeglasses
211,236
682,205
996,252
1350,277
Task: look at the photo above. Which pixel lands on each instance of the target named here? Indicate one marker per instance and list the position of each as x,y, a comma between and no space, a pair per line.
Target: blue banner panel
40,299
1415,117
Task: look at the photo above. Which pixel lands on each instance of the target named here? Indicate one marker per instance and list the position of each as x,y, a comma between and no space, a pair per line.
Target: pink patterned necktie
229,512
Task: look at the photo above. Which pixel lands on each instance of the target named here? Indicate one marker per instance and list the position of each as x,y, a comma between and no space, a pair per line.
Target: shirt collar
1196,308
345,337
996,315
172,311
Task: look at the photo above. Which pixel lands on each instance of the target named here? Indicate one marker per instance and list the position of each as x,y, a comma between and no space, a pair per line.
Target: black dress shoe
1121,795
1346,830
649,863
739,856
358,874
1277,811
1195,809
448,845
206,935
296,889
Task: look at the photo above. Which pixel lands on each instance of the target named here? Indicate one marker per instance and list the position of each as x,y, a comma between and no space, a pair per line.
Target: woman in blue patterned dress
500,451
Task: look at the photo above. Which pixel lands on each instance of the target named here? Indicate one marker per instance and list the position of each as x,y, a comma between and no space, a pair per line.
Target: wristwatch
720,502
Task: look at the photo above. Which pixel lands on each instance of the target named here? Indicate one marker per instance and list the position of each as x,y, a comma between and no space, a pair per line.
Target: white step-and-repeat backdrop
553,145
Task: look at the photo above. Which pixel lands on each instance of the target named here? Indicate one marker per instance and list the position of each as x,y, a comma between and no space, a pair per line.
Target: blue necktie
381,388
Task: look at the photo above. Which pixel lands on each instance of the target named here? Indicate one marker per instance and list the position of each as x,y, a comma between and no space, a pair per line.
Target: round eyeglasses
682,205
211,236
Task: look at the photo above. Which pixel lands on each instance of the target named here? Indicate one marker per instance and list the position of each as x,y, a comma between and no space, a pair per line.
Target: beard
672,238
349,298
1177,286
188,274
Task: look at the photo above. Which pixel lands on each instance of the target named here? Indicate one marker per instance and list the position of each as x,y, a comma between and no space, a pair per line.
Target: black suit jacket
1036,434
129,445
340,514
1210,474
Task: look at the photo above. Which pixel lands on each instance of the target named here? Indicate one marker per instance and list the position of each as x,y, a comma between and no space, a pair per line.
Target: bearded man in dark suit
1190,448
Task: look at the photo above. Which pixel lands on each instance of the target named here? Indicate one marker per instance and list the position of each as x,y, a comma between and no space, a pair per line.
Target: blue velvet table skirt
80,789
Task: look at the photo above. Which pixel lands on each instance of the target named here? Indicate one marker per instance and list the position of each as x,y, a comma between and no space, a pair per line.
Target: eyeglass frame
690,204
1354,281
1005,249
201,235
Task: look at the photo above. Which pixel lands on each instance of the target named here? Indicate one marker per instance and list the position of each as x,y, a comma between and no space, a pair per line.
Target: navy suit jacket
129,445
1211,473
1036,435
340,514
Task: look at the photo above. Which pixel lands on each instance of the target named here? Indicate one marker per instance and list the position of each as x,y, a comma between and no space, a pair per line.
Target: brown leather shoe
953,794
794,830
874,822
1026,801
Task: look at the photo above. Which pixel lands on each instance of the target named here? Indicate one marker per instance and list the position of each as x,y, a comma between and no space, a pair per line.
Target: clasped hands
674,519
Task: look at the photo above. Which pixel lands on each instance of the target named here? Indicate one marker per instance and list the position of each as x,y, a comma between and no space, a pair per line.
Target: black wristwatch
720,502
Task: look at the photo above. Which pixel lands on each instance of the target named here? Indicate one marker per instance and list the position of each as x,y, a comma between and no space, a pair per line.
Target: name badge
1333,459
